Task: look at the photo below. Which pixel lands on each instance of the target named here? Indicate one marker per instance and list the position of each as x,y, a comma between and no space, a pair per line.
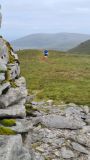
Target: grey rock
2,77
3,67
56,121
86,109
14,111
11,148
13,96
79,137
2,88
14,70
24,155
76,112
22,126
79,148
21,82
66,153
4,56
86,129
88,119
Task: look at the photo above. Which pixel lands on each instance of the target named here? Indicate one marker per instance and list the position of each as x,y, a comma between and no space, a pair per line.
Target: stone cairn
13,95
12,87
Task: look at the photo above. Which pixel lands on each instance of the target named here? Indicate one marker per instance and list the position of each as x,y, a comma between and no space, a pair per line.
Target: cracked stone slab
14,111
56,121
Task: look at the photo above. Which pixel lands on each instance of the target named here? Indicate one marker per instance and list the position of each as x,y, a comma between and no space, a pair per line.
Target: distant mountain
82,48
58,41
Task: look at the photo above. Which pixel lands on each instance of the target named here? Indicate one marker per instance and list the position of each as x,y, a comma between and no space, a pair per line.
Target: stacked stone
12,87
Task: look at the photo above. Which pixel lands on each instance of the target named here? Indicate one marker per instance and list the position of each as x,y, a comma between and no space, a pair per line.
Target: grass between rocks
6,131
63,77
8,122
4,124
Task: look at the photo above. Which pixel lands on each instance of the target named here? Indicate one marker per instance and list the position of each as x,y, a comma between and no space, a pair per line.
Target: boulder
13,96
56,121
11,148
15,111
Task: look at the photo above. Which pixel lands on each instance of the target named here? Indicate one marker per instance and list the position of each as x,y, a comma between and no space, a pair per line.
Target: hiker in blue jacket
45,53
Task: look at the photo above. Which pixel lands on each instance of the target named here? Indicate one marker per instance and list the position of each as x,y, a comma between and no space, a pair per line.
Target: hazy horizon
23,18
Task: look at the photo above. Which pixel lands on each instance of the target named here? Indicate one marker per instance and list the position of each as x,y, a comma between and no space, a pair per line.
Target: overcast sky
23,17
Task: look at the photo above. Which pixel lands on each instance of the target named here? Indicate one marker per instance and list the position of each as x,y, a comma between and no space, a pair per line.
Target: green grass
8,122
6,131
64,77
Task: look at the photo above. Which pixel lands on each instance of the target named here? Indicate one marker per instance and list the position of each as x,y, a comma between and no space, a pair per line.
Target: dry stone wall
13,90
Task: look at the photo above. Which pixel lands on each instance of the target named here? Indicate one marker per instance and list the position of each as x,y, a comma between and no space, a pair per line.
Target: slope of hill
59,41
62,77
82,48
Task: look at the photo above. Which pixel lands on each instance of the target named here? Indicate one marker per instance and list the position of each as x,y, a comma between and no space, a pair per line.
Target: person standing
46,53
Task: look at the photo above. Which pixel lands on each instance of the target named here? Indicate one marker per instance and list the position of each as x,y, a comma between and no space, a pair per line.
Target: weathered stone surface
14,111
66,153
86,129
88,119
56,121
86,109
11,148
48,141
14,70
76,112
79,148
4,56
13,96
2,77
3,67
22,126
2,88
21,82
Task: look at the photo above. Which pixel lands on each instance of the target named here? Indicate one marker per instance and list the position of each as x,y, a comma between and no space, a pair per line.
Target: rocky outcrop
60,132
13,90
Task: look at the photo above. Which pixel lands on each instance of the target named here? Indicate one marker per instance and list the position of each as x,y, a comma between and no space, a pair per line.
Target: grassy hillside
56,41
63,77
82,48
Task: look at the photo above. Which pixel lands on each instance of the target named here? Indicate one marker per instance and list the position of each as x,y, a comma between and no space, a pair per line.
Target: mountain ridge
54,41
82,48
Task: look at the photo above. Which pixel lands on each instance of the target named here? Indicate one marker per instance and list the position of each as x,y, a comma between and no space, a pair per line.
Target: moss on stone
8,122
7,75
13,84
11,57
6,131
30,110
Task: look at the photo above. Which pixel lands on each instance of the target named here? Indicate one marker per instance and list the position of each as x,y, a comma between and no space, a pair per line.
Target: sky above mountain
25,17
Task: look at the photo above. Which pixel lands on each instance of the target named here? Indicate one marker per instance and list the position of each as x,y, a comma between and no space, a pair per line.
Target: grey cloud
24,17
